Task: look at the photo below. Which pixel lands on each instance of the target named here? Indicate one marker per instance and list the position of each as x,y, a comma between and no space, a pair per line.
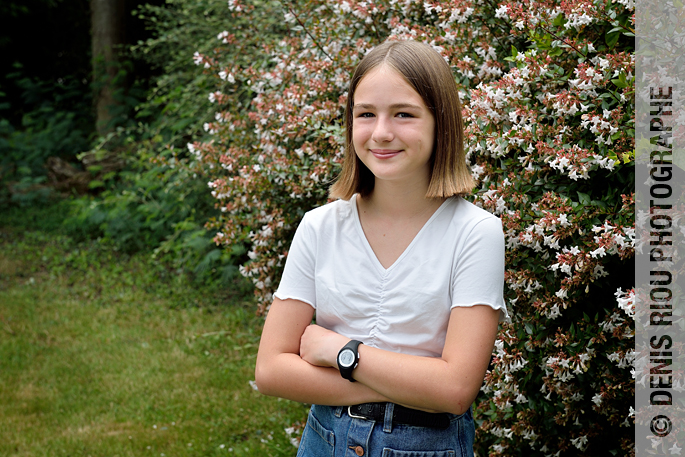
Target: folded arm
298,361
281,371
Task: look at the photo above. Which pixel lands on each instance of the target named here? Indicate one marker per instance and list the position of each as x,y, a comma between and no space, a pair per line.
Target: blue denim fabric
330,432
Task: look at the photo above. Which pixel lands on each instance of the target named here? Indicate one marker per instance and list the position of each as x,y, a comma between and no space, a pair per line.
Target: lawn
105,354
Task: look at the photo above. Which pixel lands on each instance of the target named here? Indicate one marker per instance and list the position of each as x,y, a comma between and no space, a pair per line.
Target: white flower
626,301
554,312
629,4
477,170
520,398
293,440
599,252
580,442
576,21
501,12
226,76
223,36
623,361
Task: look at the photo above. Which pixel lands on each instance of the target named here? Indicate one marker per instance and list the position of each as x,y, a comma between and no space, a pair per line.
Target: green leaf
584,199
555,52
110,175
611,38
95,183
621,81
529,328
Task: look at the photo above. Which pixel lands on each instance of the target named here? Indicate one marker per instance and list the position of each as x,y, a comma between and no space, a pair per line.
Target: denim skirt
331,432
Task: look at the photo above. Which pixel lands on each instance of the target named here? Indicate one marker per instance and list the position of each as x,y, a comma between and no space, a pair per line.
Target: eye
404,115
364,114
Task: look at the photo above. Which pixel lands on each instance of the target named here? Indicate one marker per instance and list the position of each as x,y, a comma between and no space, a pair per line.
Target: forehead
384,83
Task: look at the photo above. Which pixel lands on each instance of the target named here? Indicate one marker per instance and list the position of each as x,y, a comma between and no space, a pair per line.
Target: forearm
288,376
280,371
425,383
416,382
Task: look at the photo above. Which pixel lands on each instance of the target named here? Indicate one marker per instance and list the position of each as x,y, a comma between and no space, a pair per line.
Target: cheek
430,144
359,135
423,138
430,139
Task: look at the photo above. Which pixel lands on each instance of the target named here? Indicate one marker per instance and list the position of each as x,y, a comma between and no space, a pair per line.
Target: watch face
346,358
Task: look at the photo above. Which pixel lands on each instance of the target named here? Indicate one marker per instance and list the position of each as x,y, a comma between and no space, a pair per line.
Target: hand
320,347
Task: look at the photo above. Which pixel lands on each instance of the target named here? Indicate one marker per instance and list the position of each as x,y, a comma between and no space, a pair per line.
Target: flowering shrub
159,202
548,90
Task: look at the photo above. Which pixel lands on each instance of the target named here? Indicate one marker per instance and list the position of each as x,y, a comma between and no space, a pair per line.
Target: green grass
103,354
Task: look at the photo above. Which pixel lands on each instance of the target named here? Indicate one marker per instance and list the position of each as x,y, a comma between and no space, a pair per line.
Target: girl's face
392,129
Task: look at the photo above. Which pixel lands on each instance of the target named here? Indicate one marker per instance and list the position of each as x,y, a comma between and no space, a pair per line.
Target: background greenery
120,312
105,353
146,202
124,329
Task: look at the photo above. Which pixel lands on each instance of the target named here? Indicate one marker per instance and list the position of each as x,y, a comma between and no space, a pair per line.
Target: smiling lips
384,153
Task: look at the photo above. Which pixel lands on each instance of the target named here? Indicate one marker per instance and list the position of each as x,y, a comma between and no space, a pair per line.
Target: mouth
384,153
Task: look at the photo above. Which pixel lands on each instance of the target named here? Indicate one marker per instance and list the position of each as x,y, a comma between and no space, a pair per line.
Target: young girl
404,276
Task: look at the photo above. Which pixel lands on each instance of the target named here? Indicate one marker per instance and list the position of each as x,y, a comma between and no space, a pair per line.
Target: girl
405,277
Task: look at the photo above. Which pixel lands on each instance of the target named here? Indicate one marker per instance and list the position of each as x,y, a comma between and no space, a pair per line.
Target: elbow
263,379
459,400
458,408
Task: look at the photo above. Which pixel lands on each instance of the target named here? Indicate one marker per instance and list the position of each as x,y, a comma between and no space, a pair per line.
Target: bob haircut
429,75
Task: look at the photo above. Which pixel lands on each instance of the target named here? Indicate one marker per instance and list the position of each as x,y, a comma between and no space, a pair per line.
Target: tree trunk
107,32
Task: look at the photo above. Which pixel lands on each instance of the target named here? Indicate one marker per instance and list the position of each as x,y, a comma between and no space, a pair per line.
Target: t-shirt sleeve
297,281
478,275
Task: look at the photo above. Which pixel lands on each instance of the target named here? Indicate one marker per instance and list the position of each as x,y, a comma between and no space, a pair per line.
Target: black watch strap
348,359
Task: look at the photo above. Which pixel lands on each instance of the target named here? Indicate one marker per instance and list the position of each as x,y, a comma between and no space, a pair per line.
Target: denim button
359,451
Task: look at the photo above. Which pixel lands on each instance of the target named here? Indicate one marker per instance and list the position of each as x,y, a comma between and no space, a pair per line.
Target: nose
382,131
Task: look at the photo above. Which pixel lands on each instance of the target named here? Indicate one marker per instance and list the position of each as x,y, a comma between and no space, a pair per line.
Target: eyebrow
393,106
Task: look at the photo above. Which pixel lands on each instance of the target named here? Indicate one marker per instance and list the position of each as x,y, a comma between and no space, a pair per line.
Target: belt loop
338,411
387,420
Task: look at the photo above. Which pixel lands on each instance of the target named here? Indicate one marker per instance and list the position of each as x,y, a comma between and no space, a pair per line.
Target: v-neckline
367,245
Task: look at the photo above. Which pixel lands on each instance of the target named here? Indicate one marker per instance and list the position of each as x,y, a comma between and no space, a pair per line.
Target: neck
401,200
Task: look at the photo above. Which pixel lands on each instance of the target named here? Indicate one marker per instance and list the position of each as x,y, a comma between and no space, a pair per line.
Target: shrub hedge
548,92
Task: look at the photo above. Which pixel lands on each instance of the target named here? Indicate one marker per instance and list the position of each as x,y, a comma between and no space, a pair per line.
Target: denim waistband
399,415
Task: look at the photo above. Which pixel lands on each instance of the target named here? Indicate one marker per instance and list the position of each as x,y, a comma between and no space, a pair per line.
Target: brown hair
429,75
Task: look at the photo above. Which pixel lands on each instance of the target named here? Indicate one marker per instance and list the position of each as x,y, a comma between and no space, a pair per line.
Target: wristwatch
348,359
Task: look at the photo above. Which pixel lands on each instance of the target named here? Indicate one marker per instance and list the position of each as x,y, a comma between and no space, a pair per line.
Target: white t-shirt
456,259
